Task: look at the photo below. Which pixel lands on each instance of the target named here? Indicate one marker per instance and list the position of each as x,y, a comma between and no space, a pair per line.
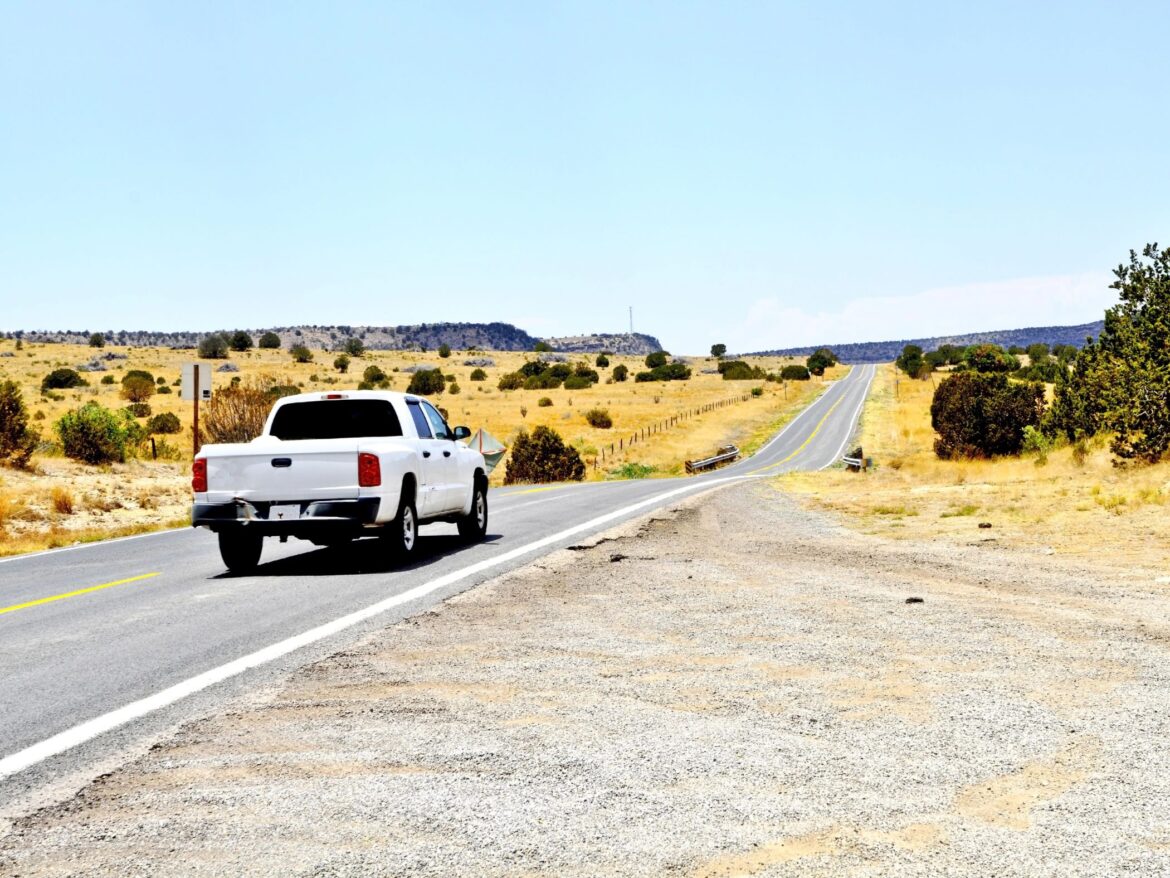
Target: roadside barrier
726,454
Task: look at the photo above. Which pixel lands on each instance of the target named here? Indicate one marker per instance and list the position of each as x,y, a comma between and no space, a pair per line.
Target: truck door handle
426,454
281,461
446,454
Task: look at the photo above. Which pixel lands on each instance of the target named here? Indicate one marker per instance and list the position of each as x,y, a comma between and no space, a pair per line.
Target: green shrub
757,391
94,434
990,358
137,389
301,354
107,379
602,361
511,381
164,389
454,387
542,456
576,382
214,347
981,414
236,413
599,418
820,360
164,422
478,375
544,402
541,347
241,341
444,351
631,470
17,441
270,341
341,364
666,372
139,409
355,347
97,340
62,379
278,391
656,359
738,370
1035,442
620,372
374,375
795,373
427,382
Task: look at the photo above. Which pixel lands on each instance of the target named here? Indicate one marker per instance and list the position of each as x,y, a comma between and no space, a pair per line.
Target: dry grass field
1065,506
60,501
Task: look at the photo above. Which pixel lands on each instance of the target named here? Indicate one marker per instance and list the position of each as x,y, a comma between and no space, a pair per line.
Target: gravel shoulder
733,686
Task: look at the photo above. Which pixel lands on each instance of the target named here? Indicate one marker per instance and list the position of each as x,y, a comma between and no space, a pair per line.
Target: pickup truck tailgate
276,471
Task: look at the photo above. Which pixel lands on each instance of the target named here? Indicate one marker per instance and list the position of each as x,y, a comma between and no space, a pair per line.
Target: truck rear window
336,419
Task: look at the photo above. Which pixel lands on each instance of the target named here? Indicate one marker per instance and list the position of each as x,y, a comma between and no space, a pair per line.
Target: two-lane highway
103,645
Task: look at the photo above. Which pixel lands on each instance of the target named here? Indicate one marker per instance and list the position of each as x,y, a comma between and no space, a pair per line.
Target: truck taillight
199,476
369,470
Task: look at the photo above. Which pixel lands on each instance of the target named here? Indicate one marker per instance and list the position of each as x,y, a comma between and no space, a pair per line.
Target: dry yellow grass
636,409
1085,508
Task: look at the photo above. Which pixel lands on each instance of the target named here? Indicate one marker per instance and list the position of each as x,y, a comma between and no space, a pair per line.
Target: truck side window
420,420
442,431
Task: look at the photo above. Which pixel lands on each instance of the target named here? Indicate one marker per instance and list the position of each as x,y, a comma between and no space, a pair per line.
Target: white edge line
96,544
90,729
853,418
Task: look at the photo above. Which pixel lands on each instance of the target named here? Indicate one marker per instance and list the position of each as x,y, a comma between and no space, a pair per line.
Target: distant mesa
884,351
424,336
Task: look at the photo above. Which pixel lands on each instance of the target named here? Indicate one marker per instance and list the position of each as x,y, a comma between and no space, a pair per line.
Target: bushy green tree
213,347
541,347
911,360
62,379
795,373
478,375
444,351
301,354
94,434
990,358
620,372
980,414
97,340
17,439
270,341
820,360
341,364
427,382
241,341
656,359
1038,353
543,456
137,389
355,347
718,350
602,361
1121,383
738,370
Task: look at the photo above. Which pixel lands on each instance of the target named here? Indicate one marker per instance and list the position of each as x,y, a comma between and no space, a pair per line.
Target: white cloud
980,307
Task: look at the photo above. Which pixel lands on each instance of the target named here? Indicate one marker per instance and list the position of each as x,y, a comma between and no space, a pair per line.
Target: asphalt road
143,633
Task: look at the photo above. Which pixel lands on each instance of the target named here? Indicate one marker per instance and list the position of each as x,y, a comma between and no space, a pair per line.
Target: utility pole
631,320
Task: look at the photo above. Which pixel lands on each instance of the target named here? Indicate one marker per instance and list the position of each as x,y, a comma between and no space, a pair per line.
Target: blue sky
757,174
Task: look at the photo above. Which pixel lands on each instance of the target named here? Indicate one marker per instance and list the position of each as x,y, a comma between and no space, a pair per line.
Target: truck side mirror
462,433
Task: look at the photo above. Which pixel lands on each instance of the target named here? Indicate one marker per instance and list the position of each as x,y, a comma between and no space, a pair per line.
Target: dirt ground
734,686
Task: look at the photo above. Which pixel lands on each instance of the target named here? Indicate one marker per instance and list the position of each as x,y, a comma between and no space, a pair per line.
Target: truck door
452,488
432,489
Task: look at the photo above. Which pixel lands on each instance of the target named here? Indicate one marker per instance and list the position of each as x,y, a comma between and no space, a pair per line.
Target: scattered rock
984,525
228,367
553,358
92,366
617,556
479,361
915,600
7,354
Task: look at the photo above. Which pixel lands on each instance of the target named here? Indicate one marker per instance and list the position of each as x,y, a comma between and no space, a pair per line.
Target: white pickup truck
330,467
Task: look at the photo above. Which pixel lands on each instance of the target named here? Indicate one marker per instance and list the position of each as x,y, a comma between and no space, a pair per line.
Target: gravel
733,687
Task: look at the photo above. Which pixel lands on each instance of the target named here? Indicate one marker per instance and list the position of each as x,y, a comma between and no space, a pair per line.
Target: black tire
240,549
401,536
473,526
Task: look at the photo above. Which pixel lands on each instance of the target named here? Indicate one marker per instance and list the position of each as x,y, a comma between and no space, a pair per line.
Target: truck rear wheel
240,549
401,537
473,526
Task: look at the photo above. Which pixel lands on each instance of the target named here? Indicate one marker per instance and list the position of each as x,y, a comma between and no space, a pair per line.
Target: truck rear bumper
311,518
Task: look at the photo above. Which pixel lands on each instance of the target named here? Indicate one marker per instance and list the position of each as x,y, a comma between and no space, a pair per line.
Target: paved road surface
84,677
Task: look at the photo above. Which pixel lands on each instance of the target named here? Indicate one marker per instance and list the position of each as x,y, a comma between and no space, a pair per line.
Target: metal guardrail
726,454
856,461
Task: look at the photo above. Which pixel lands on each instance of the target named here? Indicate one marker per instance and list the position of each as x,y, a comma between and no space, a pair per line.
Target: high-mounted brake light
199,476
334,396
369,470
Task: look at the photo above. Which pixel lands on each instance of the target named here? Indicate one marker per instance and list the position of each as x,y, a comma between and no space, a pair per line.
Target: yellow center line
533,490
804,444
73,594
